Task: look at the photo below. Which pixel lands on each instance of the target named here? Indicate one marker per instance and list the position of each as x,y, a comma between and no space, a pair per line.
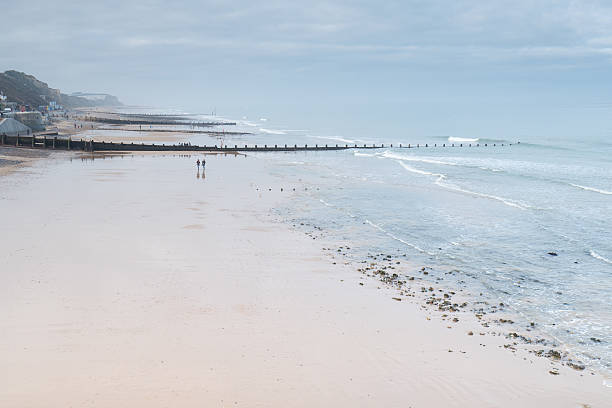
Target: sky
460,68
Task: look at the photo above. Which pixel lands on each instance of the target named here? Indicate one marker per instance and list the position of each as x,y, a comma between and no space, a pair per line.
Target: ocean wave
462,139
601,258
490,169
508,202
440,178
247,123
272,132
350,214
337,138
395,156
596,190
429,160
418,171
378,227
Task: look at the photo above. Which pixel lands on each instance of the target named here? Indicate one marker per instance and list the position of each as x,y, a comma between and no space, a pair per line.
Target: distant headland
22,92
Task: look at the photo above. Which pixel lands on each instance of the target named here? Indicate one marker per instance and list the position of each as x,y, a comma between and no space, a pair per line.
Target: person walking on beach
198,163
203,163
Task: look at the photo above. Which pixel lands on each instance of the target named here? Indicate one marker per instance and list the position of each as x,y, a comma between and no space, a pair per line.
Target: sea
525,221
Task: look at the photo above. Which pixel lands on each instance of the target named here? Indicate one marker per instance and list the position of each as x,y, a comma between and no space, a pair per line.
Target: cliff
26,89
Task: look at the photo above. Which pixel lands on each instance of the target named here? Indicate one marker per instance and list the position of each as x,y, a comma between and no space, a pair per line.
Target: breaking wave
396,156
336,138
601,258
462,139
440,178
596,190
272,132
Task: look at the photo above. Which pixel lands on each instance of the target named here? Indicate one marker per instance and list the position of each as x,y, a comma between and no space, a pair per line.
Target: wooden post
69,143
17,140
2,138
44,142
54,140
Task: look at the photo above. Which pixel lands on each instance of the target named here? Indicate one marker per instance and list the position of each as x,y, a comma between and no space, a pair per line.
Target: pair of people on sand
203,163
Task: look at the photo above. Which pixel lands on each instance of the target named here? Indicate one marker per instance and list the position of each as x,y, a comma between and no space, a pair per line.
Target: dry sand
130,282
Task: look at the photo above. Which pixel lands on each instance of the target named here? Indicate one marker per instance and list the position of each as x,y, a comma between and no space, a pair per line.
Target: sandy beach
137,281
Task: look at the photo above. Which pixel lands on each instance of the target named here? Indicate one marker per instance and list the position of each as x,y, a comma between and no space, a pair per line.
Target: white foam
601,258
420,159
596,190
462,139
440,182
418,171
337,138
506,201
363,154
263,119
378,227
272,132
326,203
350,214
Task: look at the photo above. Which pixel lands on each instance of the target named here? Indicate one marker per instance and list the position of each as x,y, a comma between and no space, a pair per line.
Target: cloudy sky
452,67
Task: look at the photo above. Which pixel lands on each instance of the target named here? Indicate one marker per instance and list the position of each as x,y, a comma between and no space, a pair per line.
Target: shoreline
289,309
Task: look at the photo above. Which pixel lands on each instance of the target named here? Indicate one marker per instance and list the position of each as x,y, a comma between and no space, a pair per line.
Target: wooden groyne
151,122
206,132
44,142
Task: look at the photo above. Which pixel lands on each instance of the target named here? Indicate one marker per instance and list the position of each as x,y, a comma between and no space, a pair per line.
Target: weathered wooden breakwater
44,142
151,122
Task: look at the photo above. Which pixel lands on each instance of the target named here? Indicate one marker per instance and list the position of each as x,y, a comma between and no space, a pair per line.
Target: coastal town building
31,119
12,127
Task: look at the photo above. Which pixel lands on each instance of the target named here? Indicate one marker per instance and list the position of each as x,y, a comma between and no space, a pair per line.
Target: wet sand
12,159
134,281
